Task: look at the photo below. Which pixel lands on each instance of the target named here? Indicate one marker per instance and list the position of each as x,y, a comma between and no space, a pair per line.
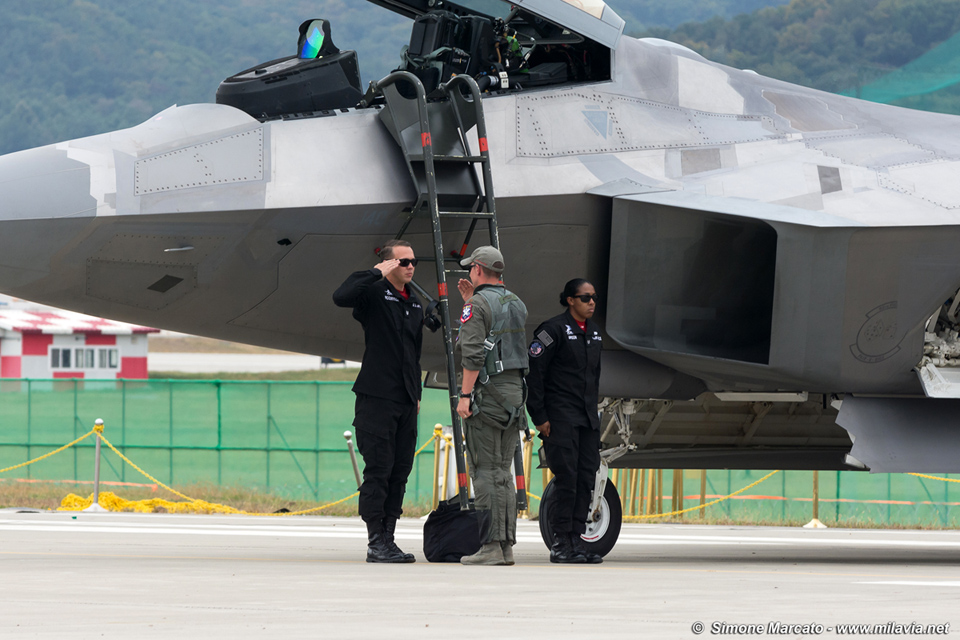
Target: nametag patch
545,338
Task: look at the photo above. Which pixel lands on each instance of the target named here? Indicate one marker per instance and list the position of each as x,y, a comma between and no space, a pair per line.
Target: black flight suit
563,385
388,388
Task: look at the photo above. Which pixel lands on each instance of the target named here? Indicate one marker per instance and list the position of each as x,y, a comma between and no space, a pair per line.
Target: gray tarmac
167,576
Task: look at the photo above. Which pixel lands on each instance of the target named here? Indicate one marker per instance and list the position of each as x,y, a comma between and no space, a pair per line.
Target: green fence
282,437
845,497
287,438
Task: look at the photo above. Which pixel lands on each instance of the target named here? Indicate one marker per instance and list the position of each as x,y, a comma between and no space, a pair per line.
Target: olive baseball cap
485,257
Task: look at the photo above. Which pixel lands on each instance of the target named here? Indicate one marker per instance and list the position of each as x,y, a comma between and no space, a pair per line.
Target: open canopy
591,19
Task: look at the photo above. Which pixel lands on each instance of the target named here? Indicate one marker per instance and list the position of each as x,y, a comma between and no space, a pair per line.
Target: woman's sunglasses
587,297
407,262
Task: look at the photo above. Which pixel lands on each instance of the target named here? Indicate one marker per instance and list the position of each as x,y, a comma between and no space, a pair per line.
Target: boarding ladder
432,134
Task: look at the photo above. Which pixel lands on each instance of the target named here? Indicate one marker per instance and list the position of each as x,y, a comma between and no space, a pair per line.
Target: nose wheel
603,526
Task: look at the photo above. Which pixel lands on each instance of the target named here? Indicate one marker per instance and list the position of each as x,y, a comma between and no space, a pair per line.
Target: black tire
601,535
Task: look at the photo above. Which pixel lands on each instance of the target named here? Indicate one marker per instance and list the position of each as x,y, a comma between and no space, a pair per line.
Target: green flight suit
491,433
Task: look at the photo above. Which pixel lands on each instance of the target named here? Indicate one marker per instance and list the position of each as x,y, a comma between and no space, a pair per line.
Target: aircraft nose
45,202
44,183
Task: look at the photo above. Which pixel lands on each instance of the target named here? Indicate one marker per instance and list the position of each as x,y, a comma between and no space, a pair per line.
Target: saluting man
564,383
388,390
493,346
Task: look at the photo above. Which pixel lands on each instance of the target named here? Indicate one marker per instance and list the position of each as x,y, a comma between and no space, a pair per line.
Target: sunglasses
407,262
587,297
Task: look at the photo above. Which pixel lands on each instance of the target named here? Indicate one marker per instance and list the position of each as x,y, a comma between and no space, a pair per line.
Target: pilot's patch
467,313
535,349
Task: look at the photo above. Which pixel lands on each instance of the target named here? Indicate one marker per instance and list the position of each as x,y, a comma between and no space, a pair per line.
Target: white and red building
63,344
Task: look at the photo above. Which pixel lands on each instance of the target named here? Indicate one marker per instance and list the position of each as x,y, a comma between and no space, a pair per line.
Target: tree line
833,45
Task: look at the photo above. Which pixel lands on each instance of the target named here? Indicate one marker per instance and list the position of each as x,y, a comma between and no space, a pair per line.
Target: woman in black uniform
563,384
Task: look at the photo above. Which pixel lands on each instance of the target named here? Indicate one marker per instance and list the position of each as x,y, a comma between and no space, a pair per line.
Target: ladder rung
419,157
445,259
466,214
459,158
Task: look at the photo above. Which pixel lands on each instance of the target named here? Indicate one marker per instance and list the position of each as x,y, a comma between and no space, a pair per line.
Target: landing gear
603,524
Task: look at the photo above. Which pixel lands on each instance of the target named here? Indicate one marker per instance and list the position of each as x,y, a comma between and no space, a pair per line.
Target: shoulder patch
467,313
545,338
536,349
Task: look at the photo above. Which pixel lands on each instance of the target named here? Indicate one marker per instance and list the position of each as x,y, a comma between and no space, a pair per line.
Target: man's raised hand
466,289
387,266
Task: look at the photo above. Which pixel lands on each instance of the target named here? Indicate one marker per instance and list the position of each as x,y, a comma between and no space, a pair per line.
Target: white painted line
72,527
238,531
814,540
527,532
913,583
74,524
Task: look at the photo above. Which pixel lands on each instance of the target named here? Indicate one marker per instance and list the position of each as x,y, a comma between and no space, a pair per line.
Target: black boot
389,528
562,551
377,548
581,548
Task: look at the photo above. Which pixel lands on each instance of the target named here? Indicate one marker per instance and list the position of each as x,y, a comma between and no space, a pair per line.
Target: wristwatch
464,394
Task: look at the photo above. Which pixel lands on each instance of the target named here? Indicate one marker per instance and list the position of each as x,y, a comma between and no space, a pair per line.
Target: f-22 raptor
778,266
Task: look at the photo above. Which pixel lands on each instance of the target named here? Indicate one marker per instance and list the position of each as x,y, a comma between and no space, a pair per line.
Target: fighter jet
778,266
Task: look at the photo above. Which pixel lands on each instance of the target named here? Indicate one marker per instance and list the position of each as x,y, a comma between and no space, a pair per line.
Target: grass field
334,374
48,496
196,344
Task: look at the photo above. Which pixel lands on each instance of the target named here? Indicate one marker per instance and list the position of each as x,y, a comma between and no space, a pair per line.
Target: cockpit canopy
590,19
504,45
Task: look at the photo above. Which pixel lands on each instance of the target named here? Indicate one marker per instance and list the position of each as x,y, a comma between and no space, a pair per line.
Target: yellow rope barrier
923,475
52,453
703,506
113,502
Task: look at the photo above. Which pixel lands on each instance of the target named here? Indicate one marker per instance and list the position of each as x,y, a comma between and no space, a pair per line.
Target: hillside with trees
647,14
80,67
834,45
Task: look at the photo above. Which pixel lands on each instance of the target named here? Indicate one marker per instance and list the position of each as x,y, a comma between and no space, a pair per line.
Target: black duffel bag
449,533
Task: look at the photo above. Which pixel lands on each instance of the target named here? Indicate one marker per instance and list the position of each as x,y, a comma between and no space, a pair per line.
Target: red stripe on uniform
425,138
483,145
442,289
462,479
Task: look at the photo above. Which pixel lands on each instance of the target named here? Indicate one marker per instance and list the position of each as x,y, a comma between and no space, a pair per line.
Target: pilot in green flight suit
493,350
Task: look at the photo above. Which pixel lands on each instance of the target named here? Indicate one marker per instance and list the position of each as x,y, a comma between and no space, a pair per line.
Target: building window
107,358
84,358
60,358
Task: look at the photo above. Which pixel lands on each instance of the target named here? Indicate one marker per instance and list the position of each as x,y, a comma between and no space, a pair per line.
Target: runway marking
182,530
913,583
524,565
814,539
138,556
527,533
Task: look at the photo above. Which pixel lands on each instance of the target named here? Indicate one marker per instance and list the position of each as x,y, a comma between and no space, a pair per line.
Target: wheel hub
597,527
